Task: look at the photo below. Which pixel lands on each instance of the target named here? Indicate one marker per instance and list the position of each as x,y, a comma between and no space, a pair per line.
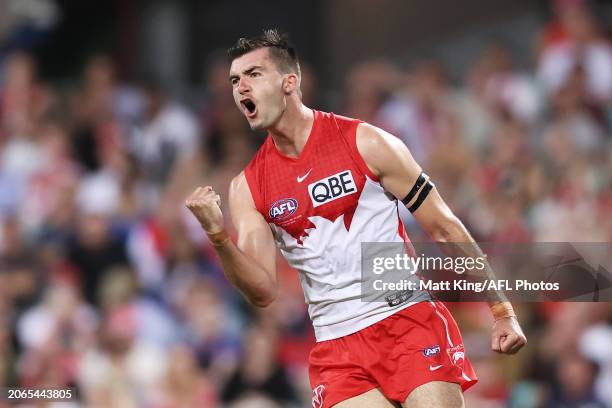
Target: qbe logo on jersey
332,187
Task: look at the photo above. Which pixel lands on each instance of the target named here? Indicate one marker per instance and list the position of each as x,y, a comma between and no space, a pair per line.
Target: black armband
417,186
421,180
422,196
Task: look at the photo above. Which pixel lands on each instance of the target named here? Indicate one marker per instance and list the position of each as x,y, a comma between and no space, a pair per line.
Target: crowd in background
108,285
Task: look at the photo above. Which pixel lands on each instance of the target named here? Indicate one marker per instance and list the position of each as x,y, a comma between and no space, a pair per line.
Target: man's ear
291,83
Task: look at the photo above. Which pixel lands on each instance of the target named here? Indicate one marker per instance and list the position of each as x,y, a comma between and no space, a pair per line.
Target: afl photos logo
317,396
283,208
332,187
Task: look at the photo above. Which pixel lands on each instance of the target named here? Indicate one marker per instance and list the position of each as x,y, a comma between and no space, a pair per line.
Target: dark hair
277,43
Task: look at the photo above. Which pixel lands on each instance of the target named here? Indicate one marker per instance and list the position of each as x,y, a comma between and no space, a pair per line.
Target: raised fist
507,336
205,204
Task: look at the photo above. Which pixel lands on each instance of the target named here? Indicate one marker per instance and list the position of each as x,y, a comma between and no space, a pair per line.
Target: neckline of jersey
309,142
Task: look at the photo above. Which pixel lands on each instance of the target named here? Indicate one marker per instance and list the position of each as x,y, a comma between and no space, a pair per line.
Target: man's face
257,86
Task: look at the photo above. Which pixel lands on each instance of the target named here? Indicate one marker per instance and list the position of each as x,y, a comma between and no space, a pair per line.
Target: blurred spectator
575,44
215,340
93,250
169,135
510,93
185,384
96,130
594,345
52,335
120,370
259,372
25,23
417,112
61,312
576,376
55,177
368,86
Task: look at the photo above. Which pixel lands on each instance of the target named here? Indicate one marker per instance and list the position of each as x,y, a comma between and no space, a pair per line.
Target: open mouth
250,109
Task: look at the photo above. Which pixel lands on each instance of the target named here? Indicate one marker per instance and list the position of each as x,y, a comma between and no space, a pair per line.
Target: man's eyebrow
246,72
251,69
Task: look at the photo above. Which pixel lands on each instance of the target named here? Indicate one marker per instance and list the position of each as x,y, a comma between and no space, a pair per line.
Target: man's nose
243,86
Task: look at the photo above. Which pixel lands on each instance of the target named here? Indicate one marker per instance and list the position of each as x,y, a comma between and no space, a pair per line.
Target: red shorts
412,347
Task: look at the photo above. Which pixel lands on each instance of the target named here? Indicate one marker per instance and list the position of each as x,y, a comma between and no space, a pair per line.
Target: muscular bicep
389,159
254,235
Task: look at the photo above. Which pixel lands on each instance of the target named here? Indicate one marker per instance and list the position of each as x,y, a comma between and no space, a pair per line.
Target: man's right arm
251,265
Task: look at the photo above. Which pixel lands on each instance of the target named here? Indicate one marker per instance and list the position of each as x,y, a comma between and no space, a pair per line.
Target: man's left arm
390,160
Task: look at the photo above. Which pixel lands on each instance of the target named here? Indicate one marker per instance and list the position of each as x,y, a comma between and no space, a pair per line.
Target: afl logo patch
283,208
431,351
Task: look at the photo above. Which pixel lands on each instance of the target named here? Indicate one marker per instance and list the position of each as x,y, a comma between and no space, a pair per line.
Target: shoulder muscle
387,157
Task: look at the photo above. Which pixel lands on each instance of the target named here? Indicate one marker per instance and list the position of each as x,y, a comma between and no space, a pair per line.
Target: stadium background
112,112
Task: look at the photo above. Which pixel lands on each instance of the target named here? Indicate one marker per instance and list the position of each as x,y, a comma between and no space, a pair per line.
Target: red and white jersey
321,206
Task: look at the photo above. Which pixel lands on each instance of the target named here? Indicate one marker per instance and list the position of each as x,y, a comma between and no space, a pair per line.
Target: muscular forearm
456,241
255,283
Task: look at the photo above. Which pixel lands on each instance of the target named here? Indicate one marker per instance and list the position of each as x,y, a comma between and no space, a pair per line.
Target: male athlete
319,186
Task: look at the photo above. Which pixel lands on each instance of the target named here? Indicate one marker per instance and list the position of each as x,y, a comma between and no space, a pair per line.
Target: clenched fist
507,336
205,204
